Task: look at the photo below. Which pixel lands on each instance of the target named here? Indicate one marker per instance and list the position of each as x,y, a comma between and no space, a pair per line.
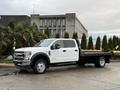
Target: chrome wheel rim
102,61
40,67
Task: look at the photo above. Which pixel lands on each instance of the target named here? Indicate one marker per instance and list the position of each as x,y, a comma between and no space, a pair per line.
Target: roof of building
6,19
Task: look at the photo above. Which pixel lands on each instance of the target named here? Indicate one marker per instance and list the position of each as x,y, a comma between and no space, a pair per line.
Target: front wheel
40,66
100,62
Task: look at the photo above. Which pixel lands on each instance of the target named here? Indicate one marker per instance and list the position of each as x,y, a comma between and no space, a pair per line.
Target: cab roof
60,39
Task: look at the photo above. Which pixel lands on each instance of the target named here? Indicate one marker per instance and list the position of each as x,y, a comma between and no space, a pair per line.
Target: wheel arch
40,55
107,58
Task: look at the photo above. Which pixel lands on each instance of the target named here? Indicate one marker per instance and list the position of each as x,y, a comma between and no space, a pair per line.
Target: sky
99,17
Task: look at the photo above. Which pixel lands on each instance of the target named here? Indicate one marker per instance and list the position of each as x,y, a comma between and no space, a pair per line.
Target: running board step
62,64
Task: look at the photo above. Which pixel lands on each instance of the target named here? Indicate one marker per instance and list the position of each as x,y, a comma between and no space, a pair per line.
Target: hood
31,49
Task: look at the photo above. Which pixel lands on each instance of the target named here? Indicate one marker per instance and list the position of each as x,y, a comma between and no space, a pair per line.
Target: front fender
40,55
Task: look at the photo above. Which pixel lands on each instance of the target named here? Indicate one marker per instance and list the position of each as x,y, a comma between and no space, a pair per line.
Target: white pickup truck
57,52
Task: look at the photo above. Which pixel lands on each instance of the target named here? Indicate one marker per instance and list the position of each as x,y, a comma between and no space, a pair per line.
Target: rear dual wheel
100,62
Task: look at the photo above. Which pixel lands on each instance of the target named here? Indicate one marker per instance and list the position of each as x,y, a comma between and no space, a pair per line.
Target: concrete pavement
66,78
7,71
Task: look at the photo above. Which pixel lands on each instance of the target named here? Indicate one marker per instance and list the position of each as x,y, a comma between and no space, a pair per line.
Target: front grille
19,55
18,58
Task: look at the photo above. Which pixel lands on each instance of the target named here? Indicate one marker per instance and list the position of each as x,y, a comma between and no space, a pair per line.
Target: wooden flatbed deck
94,53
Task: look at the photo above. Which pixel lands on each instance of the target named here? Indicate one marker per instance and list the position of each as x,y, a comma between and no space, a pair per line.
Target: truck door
57,54
71,50
67,51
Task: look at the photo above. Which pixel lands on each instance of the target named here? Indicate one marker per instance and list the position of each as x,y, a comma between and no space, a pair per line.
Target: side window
68,43
60,42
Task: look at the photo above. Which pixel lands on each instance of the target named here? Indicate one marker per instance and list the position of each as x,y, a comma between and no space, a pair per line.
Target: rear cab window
69,43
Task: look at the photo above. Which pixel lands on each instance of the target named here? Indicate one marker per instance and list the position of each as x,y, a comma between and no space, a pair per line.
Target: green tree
12,34
57,35
4,40
35,35
66,35
75,35
90,43
84,42
24,34
110,44
98,43
47,33
119,44
104,43
115,41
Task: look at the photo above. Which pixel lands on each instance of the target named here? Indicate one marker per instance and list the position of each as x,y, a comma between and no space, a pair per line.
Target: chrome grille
19,55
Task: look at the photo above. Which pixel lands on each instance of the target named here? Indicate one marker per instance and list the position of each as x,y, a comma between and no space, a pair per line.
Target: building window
58,23
54,22
62,33
50,30
45,23
54,32
59,31
41,23
63,22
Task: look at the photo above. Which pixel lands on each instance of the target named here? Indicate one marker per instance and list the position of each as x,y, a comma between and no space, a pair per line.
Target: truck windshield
44,43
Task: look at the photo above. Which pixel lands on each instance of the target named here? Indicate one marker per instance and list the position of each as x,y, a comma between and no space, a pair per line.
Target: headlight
27,55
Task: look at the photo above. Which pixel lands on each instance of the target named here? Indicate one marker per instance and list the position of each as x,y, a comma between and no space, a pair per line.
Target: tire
40,66
100,62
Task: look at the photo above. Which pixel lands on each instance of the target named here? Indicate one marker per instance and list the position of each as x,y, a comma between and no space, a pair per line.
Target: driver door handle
76,50
64,50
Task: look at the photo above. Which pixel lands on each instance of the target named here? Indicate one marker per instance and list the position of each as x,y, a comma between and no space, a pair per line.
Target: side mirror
56,46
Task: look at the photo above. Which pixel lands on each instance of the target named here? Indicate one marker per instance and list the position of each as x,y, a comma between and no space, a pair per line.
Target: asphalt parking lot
66,78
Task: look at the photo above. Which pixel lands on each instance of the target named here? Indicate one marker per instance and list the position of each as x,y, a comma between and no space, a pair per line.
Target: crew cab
57,52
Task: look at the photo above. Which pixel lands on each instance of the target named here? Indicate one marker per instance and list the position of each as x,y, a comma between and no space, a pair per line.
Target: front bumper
21,62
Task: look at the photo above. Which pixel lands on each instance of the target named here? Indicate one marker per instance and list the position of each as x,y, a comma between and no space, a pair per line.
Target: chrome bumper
21,62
